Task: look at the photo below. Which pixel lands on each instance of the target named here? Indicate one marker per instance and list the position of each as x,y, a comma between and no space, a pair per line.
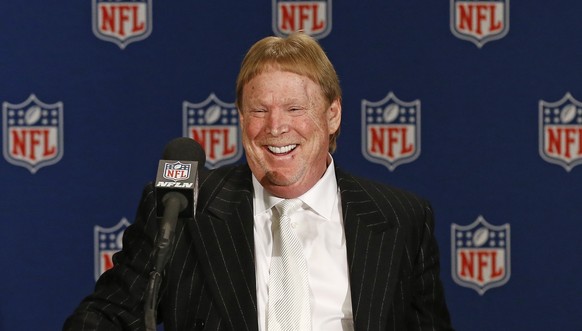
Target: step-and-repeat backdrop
475,105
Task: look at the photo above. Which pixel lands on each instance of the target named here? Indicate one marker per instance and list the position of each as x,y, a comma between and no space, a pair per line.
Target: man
369,250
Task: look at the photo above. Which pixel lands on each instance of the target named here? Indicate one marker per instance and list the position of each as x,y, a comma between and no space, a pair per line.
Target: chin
279,178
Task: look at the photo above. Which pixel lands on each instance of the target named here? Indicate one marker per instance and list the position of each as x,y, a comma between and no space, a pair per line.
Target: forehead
275,83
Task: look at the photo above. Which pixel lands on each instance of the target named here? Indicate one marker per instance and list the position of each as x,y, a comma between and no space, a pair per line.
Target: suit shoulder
233,178
388,198
226,175
374,187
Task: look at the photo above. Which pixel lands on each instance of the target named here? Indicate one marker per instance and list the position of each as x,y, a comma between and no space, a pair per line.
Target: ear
240,118
334,116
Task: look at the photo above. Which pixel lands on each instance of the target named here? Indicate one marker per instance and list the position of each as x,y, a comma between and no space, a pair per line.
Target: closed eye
258,112
297,110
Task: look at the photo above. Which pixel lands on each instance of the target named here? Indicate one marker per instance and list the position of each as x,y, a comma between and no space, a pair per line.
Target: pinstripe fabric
392,258
210,281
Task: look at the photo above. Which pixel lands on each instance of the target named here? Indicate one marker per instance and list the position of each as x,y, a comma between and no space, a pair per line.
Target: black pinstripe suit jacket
210,281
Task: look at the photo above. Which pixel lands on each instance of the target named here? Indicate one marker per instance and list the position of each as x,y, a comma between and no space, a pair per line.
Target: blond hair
299,54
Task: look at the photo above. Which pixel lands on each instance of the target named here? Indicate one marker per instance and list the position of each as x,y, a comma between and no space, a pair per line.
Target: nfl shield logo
479,21
480,255
122,22
177,171
311,17
391,131
214,125
107,241
561,131
32,133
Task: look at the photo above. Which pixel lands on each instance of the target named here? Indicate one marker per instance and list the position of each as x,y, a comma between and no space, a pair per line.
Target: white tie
289,299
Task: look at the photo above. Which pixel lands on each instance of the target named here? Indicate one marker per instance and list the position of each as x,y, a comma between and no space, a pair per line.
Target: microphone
176,191
182,161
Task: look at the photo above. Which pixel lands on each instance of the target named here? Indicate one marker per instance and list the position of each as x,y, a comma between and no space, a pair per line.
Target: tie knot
288,206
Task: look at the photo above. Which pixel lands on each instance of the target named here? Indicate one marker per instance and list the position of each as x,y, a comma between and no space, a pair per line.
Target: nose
277,123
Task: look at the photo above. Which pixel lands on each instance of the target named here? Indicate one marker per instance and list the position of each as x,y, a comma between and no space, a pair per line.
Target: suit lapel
224,240
374,248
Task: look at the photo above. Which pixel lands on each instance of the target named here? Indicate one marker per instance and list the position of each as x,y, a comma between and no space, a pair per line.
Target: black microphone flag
178,171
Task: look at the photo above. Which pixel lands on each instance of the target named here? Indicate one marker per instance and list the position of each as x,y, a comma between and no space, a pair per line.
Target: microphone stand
174,203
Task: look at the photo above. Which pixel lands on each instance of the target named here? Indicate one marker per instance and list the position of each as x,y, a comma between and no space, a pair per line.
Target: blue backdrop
471,104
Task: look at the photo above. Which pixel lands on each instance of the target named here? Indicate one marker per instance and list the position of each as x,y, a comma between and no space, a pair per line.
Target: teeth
281,150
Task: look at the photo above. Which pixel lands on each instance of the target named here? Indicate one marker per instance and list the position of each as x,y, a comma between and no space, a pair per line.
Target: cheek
315,123
251,128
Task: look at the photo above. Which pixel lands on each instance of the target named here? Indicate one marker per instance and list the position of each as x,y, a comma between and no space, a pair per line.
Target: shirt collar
321,198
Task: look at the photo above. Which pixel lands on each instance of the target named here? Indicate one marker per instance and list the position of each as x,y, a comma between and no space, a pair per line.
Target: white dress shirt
318,224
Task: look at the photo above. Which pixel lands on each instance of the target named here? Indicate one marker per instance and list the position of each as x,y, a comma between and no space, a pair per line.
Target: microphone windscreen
185,149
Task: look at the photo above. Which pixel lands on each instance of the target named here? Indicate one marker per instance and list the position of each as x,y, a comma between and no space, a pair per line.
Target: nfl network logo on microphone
177,171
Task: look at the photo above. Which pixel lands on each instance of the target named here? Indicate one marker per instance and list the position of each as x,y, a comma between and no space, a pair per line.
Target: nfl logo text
479,21
560,131
32,133
480,255
107,241
312,17
177,171
122,22
214,125
391,131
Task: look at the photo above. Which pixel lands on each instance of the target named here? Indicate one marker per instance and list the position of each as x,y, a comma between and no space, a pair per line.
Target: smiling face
286,123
